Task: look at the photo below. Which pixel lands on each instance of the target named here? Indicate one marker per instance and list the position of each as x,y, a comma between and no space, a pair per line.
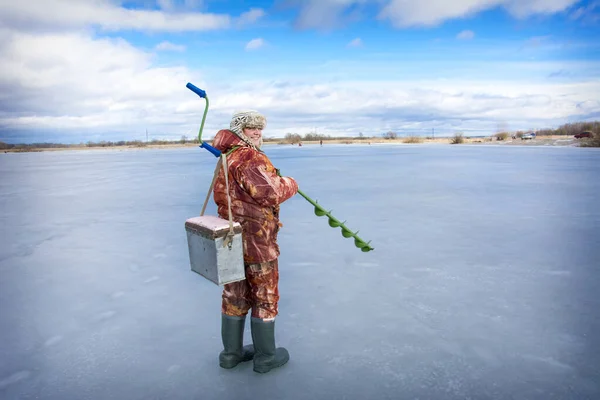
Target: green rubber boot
232,333
267,356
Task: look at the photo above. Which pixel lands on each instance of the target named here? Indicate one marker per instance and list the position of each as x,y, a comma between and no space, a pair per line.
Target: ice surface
483,283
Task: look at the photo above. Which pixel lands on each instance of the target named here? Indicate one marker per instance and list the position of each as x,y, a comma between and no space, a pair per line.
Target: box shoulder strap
222,162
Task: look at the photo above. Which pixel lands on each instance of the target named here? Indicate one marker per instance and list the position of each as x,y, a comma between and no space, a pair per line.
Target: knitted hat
247,119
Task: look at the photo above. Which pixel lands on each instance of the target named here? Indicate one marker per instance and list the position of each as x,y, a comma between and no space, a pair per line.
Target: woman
256,190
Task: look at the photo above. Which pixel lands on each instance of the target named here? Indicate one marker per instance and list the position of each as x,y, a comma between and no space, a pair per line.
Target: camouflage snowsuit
256,192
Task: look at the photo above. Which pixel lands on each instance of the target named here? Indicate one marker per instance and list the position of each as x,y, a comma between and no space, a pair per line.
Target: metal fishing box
208,256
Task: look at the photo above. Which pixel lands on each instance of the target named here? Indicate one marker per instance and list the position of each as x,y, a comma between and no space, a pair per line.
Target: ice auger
319,210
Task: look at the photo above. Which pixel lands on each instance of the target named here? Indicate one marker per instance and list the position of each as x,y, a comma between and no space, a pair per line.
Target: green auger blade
359,243
319,211
347,233
335,223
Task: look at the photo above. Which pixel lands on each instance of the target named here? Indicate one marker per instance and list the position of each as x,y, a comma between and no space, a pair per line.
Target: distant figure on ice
256,191
321,142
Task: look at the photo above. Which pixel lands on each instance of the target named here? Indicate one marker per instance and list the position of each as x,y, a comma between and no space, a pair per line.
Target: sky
74,71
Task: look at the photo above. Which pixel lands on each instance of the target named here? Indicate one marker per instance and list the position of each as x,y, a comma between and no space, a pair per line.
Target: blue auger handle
196,90
208,147
203,144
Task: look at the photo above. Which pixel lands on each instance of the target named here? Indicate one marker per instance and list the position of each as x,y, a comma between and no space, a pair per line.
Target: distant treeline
569,129
292,138
566,129
103,143
312,137
572,128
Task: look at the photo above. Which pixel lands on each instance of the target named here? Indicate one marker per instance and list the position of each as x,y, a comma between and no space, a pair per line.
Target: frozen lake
483,284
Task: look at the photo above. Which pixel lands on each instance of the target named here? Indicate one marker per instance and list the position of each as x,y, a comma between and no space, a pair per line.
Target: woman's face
254,134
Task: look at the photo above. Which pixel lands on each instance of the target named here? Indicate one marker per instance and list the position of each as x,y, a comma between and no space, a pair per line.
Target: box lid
211,226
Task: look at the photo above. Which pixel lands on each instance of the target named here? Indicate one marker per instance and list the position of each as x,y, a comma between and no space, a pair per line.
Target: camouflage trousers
258,291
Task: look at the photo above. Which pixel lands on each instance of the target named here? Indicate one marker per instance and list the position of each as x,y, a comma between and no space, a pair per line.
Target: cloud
562,73
60,15
587,14
466,35
255,44
168,46
166,5
326,14
171,5
356,43
524,9
107,85
460,104
537,41
251,16
408,13
110,90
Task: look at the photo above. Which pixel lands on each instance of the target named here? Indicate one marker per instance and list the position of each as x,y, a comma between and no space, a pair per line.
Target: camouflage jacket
256,192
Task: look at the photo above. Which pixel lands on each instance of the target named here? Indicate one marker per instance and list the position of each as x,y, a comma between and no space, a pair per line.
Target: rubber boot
232,333
266,356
